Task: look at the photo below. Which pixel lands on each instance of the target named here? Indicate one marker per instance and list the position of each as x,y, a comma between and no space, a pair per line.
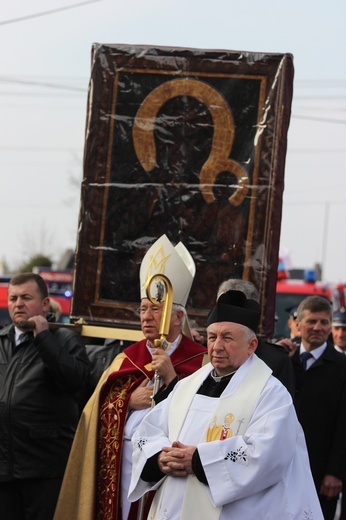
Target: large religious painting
189,143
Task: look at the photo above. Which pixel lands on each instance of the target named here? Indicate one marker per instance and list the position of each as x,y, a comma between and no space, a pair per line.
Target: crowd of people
237,428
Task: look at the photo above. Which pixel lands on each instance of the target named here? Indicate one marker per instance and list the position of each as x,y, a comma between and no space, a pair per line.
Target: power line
48,94
39,148
316,108
84,90
317,150
317,188
42,84
320,119
45,13
69,148
308,98
46,84
320,83
312,202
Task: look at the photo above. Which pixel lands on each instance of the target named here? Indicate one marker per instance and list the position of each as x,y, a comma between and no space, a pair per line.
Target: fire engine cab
290,292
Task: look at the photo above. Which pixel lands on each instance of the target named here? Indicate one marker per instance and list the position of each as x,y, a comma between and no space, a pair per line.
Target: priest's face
150,315
229,346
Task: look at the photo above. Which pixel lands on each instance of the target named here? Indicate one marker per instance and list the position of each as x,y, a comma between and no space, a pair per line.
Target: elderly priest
226,443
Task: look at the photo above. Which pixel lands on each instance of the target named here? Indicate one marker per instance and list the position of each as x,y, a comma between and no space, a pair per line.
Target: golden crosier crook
167,307
165,319
159,343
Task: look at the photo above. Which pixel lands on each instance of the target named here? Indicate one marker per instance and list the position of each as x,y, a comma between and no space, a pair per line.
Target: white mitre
175,263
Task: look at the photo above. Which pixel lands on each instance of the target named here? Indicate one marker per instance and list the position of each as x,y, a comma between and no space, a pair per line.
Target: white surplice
262,472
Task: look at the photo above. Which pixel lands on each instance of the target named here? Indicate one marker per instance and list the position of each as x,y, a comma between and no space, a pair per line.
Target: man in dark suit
320,400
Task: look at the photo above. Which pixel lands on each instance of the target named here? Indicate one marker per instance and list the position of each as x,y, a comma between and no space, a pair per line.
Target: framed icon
189,143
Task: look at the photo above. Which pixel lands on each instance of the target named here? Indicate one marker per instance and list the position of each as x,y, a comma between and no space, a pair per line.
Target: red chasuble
186,359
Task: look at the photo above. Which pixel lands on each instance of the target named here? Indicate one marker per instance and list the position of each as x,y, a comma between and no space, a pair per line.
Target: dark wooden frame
225,240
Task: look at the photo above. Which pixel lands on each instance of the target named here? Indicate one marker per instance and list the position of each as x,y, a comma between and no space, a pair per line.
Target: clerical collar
217,378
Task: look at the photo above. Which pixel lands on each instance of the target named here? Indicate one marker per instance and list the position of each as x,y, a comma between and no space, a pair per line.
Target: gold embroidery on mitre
157,264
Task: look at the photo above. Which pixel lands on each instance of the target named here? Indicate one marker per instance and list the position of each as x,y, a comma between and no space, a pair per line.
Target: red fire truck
59,283
290,292
4,316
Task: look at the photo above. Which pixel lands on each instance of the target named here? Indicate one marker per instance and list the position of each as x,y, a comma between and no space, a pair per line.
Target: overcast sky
44,75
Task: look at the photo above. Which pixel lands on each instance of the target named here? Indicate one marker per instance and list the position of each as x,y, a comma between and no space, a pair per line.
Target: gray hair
248,333
176,307
244,286
314,304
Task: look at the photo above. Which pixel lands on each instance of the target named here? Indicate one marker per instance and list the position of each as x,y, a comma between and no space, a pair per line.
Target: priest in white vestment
226,444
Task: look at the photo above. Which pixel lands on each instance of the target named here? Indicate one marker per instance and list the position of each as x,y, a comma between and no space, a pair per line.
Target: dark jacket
100,357
277,358
39,381
320,402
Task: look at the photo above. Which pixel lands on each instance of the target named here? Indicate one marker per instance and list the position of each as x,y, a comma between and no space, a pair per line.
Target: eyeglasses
154,310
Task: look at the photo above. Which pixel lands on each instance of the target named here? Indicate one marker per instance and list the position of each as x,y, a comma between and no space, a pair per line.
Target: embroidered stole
240,404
